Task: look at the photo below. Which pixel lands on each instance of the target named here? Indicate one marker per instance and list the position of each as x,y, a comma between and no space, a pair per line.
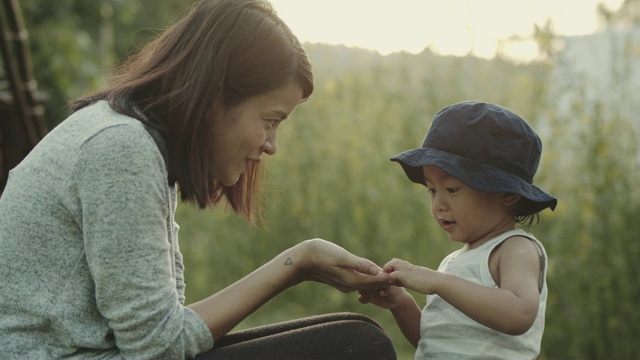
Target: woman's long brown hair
220,54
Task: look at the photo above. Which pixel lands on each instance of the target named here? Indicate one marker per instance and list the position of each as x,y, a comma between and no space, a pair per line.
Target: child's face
468,216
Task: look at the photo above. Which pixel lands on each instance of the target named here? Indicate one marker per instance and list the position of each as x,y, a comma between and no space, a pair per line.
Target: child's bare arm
510,309
407,316
403,307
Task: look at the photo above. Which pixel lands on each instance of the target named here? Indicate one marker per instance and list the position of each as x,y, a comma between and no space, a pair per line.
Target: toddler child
487,300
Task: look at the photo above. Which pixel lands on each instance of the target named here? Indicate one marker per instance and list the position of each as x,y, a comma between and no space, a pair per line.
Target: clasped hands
331,264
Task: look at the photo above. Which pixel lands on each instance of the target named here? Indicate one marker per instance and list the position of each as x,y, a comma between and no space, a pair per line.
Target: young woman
89,260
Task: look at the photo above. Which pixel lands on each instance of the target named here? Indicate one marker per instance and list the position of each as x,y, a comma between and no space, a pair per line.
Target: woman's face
250,130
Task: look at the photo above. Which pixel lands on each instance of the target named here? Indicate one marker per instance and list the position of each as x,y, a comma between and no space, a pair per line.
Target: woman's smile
250,130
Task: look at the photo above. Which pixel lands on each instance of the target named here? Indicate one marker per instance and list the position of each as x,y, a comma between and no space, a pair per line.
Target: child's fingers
363,299
394,265
366,296
371,296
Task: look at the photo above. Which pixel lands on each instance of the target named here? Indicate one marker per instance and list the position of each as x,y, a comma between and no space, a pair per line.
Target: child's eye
431,191
452,190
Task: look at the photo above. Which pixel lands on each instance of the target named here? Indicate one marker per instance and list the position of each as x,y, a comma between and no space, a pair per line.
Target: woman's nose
270,145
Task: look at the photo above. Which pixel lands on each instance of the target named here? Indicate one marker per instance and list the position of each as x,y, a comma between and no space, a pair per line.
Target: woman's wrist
296,261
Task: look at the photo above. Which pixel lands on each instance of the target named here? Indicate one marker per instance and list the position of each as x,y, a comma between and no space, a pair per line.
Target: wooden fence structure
22,122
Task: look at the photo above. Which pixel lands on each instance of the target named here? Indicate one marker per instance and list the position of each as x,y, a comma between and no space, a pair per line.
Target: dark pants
333,336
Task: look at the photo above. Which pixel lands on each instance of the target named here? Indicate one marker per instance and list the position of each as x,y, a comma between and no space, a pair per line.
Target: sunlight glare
447,27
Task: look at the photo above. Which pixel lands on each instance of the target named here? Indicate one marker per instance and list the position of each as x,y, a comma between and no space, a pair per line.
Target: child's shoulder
518,254
516,241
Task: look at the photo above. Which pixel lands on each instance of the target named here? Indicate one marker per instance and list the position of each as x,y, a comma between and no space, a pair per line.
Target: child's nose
439,203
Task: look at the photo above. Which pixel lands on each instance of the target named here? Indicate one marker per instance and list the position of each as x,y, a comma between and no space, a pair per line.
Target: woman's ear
509,199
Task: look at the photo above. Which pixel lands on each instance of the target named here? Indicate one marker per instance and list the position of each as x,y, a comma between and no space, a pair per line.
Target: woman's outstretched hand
328,263
311,260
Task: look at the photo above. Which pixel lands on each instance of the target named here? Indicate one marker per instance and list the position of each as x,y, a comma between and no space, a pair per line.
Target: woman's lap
332,336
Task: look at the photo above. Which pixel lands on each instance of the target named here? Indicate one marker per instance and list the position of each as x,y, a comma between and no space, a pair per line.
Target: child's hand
388,298
403,273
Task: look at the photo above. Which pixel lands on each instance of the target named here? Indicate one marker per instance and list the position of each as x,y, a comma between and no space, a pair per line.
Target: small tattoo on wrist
288,262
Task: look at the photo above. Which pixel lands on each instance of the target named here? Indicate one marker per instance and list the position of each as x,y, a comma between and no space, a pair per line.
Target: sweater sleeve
124,199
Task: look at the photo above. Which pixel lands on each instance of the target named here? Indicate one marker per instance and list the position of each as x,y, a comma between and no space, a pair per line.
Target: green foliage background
332,178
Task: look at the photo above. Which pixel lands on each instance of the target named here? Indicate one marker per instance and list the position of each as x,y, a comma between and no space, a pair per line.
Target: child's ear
509,199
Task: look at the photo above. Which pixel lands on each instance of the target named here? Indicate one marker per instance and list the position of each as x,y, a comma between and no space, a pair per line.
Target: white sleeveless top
447,333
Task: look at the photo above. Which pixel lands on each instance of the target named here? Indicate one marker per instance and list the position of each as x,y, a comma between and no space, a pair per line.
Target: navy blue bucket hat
487,147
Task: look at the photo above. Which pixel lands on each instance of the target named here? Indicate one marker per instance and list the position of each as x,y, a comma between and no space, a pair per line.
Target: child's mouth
447,225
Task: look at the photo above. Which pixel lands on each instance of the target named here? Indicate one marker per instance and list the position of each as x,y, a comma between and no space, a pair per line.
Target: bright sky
448,27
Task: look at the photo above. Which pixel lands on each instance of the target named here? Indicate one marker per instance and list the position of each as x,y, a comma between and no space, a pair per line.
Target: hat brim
476,174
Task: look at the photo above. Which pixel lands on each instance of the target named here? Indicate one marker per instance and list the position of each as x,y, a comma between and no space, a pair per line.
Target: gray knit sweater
89,259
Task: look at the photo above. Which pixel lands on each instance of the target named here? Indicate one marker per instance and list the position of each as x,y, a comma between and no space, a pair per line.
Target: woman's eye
271,123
